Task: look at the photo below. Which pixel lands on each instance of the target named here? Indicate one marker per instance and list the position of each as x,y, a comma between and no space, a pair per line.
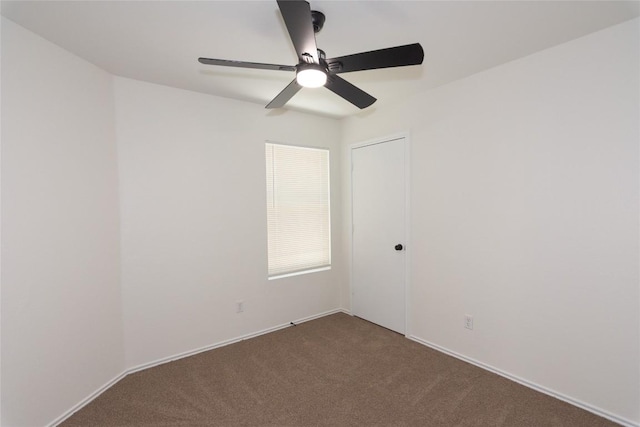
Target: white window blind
299,225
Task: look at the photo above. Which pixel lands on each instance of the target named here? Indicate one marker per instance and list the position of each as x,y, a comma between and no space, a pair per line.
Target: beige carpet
334,371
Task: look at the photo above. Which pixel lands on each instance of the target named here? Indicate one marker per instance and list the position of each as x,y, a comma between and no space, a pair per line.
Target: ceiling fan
314,69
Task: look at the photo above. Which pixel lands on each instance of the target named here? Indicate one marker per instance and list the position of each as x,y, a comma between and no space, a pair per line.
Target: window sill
298,273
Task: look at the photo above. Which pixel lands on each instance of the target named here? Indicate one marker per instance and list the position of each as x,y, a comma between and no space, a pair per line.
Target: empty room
323,213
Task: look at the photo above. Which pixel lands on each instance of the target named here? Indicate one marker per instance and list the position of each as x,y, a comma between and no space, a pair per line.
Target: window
298,219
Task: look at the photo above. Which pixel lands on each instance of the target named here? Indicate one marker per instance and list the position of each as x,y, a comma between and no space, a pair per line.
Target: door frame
407,218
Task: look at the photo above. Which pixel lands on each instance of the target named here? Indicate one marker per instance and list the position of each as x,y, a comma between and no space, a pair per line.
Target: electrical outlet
239,306
468,321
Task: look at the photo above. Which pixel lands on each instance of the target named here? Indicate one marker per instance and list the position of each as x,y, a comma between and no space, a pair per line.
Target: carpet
338,370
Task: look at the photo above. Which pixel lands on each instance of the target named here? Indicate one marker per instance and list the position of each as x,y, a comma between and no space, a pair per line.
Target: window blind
298,215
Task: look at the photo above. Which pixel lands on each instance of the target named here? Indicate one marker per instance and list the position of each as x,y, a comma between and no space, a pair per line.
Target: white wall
524,195
61,313
193,206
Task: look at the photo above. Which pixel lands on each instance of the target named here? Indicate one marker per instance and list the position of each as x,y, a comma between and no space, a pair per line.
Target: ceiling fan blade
351,93
297,17
284,96
242,64
399,56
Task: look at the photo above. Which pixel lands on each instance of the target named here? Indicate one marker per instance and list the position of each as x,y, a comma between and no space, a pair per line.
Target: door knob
398,247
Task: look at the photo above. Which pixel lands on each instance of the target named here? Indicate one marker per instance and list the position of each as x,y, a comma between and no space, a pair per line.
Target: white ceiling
160,41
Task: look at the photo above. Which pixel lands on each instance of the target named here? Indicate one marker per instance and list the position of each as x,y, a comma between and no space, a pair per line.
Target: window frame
306,270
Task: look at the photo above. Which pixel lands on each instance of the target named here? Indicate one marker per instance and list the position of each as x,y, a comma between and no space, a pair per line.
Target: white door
378,252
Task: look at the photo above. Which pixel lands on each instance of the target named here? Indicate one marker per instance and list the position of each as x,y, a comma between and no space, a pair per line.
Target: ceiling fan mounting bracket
317,18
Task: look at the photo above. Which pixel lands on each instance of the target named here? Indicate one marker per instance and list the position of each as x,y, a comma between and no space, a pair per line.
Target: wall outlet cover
468,321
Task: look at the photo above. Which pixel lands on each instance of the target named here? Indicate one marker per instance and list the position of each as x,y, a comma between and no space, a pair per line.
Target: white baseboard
144,366
226,342
526,383
87,400
534,386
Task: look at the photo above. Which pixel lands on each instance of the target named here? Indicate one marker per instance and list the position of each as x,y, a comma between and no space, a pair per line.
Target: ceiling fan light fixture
311,75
